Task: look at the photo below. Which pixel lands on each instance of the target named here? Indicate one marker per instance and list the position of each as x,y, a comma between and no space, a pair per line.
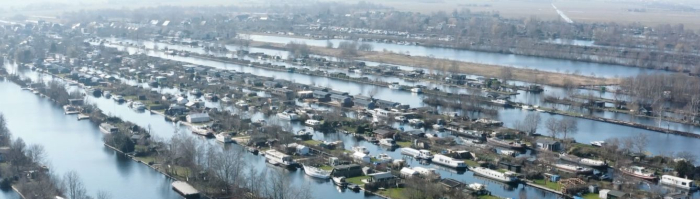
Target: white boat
639,172
278,158
415,121
384,158
288,116
476,186
226,99
400,118
311,122
316,172
195,92
598,143
339,181
388,142
427,172
223,137
572,168
107,94
118,98
395,86
107,128
674,181
500,101
138,106
200,130
582,161
527,108
360,149
507,177
449,162
417,154
417,90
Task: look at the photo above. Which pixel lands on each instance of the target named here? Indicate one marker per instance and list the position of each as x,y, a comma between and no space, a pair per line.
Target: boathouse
185,189
198,118
348,170
548,144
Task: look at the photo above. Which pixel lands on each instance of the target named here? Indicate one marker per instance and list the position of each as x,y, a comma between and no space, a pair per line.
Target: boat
360,149
210,97
674,181
107,128
478,189
223,137
253,150
201,130
573,168
507,177
448,162
278,158
417,154
417,90
316,172
118,98
505,143
582,161
195,92
388,142
107,94
500,102
226,99
384,158
639,172
598,143
311,122
70,110
400,118
288,116
427,172
305,134
527,108
138,106
339,181
395,86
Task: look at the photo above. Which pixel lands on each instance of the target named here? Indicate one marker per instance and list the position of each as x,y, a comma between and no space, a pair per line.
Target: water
519,61
77,145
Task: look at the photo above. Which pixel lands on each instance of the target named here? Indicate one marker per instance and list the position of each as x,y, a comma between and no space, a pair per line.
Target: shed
554,178
198,118
348,171
380,177
603,193
547,144
359,156
614,194
364,103
450,183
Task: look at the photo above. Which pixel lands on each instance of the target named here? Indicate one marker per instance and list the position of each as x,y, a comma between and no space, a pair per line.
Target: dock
185,189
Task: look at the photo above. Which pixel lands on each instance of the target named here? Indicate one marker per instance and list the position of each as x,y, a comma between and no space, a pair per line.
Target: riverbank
520,74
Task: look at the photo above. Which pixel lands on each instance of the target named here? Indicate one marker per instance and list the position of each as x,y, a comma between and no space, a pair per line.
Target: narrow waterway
77,145
519,61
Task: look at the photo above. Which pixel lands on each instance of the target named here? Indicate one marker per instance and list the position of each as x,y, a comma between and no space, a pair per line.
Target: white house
198,118
182,100
299,149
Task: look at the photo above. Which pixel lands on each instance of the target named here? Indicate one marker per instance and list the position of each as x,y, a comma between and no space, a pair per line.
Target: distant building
198,118
548,144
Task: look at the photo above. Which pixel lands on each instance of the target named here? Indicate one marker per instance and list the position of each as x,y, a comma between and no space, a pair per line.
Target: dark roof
382,175
382,131
451,182
347,166
546,141
616,193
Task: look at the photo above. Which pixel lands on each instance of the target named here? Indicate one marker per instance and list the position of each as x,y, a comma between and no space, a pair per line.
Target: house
175,109
615,194
322,96
343,100
285,93
452,184
548,144
198,118
386,104
380,177
298,149
384,133
271,84
348,171
75,102
364,103
416,133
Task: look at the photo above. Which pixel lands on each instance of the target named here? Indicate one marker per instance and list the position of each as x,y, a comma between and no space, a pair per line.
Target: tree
552,126
640,142
73,186
365,47
103,195
685,168
531,122
506,74
568,126
4,131
329,44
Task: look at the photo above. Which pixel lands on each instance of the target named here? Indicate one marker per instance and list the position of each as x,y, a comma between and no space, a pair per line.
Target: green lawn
394,193
404,144
552,185
146,159
357,180
591,196
326,167
502,170
312,142
471,163
488,197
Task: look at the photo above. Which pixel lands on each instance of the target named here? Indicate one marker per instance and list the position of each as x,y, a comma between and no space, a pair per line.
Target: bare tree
103,195
640,142
73,186
552,126
568,126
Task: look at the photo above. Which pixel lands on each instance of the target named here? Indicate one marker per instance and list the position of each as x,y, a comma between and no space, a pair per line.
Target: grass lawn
551,185
404,144
357,180
312,142
471,163
488,197
591,196
326,167
394,193
146,159
503,170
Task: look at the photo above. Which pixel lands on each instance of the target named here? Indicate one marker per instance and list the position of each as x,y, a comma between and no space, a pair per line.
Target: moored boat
316,172
507,177
573,168
639,172
340,181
